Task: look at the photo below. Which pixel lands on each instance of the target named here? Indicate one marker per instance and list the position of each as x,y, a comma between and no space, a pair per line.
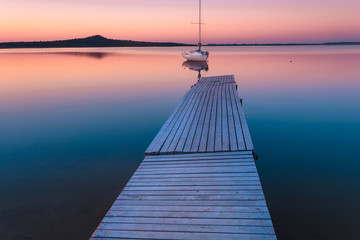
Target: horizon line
191,44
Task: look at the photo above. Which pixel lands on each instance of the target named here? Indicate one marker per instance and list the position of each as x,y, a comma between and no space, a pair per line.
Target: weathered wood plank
102,234
210,145
186,228
164,127
200,125
192,179
199,170
175,184
218,123
245,128
237,128
195,192
172,141
212,154
182,139
206,125
173,208
230,116
191,175
199,188
196,164
193,214
164,142
170,123
195,124
224,119
177,157
197,161
193,221
188,198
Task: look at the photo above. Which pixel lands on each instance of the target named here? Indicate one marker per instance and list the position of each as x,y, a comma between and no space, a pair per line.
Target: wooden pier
198,179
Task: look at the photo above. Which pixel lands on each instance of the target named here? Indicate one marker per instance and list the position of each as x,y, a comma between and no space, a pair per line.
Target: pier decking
198,179
208,119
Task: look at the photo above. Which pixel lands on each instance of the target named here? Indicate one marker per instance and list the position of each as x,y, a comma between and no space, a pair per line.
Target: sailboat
197,55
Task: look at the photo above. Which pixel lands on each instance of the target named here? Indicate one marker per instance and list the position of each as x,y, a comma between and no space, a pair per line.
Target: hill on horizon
92,41
100,41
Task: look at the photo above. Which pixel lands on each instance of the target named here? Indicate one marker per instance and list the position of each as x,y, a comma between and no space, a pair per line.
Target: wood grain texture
198,179
194,196
209,118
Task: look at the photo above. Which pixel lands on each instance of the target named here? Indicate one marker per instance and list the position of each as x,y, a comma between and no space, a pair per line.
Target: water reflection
82,124
96,55
196,66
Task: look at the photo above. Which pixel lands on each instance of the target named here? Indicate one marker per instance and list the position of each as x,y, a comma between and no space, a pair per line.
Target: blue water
75,123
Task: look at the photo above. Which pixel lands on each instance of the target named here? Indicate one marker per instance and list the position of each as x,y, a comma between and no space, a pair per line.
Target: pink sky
227,21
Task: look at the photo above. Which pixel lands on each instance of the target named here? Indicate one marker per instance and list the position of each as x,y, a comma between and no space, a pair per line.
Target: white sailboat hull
196,56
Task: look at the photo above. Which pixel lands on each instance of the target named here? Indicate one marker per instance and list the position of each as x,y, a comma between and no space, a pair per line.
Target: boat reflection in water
196,66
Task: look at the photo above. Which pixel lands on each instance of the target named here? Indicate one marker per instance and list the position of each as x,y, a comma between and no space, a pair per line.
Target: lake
75,123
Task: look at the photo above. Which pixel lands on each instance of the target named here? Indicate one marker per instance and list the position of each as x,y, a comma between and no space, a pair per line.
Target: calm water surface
75,122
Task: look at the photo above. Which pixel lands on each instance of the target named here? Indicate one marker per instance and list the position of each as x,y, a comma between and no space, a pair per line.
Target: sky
226,21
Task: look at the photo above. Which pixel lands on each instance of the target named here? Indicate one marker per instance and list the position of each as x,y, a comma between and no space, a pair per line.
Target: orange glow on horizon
226,22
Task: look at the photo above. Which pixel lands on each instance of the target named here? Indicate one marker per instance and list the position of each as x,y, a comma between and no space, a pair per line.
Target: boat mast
199,25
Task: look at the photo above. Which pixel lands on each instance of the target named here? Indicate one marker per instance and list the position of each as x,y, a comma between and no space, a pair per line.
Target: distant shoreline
100,41
286,44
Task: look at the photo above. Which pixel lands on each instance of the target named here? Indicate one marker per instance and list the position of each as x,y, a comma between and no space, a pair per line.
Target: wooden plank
164,127
210,145
165,142
201,170
102,234
171,121
224,120
195,193
197,179
188,198
187,228
175,184
192,175
188,164
218,123
195,123
193,221
197,161
230,117
245,128
196,164
179,145
206,125
180,123
200,125
237,128
191,155
199,188
182,214
172,208
160,134
182,158
239,202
